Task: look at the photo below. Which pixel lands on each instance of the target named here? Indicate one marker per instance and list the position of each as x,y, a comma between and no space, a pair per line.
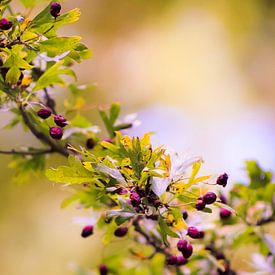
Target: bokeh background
200,74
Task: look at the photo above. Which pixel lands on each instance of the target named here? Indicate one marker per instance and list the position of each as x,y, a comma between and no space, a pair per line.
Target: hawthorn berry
172,260
60,121
55,9
5,24
121,231
181,245
44,113
201,235
87,231
181,260
188,251
225,214
90,143
209,198
56,132
200,205
193,232
223,199
184,214
222,180
135,199
103,270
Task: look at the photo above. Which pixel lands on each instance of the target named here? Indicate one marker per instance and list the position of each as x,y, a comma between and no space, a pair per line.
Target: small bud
121,231
193,232
90,143
209,198
225,214
55,9
200,205
56,132
103,270
222,179
60,121
181,260
135,199
20,18
44,113
172,260
87,231
184,214
188,251
5,24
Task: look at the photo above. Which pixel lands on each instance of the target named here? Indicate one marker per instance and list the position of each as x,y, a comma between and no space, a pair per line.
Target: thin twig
41,136
27,153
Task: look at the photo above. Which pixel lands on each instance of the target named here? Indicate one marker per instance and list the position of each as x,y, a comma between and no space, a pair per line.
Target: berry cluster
56,132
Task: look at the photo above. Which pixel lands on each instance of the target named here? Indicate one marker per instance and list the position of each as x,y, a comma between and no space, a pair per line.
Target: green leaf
13,75
165,230
114,112
107,123
258,177
31,3
58,45
52,77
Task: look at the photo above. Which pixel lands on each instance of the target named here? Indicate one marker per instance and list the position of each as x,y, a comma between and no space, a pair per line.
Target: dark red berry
209,198
135,199
55,9
200,205
181,260
201,235
172,260
188,251
225,214
121,231
103,270
90,143
56,132
60,121
184,214
181,245
44,113
5,24
222,179
87,231
220,256
193,232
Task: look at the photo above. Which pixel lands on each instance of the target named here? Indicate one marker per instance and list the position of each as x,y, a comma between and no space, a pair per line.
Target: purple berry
135,199
193,232
200,205
121,231
90,143
56,132
201,235
209,198
60,121
184,214
181,245
225,214
103,270
188,251
222,179
172,260
181,260
55,9
44,113
87,231
5,24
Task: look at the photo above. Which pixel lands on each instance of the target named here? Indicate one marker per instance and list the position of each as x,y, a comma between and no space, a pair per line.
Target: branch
41,136
149,240
27,153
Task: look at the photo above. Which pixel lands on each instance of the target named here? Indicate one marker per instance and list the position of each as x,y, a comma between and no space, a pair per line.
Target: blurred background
200,74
